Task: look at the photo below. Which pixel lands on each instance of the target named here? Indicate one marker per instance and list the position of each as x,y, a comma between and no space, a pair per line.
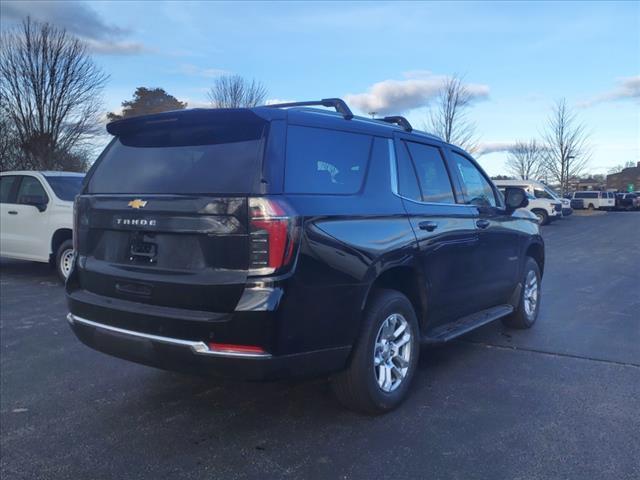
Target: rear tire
377,379
527,312
64,260
591,207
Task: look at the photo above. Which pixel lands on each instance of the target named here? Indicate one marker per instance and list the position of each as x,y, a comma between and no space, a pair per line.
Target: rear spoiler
194,116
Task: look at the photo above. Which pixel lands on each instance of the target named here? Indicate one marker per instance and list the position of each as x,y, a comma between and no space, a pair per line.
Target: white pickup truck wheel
64,260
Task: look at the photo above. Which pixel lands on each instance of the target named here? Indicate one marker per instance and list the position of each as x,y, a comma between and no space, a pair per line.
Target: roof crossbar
337,103
398,120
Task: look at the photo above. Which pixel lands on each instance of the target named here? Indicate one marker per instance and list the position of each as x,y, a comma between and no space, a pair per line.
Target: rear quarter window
325,161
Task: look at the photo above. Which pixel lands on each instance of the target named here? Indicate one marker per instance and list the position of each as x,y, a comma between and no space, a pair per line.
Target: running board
464,325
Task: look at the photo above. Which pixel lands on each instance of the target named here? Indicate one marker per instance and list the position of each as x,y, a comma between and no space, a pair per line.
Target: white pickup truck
542,201
36,216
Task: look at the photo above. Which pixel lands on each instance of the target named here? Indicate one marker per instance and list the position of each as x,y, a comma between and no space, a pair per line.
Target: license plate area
143,248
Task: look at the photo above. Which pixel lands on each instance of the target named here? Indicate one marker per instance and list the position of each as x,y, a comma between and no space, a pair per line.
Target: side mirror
38,201
515,198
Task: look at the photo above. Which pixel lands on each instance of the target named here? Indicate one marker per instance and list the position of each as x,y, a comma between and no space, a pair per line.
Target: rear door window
432,174
6,187
325,161
31,191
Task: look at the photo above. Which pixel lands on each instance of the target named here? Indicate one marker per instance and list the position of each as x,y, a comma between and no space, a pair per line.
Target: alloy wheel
392,352
530,293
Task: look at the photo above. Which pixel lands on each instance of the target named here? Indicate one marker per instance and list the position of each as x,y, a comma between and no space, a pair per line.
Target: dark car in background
577,203
627,201
290,241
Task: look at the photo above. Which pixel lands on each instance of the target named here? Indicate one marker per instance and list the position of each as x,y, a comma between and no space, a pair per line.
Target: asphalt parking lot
559,401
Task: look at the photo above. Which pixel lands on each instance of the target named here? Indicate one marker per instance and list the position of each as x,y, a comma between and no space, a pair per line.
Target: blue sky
520,57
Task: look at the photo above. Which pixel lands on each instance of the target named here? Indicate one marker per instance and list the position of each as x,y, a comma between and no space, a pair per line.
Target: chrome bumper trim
196,347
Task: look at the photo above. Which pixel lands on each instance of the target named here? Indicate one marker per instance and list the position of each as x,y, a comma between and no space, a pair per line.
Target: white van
594,199
543,201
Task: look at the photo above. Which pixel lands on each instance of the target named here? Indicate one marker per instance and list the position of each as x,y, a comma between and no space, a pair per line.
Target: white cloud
494,147
195,71
114,48
398,96
78,19
627,88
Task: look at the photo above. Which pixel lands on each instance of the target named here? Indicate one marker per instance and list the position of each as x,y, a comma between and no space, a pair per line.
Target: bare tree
566,145
619,168
449,117
234,91
10,155
51,94
525,159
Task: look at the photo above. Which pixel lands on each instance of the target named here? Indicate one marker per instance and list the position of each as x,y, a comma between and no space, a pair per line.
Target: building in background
591,183
628,180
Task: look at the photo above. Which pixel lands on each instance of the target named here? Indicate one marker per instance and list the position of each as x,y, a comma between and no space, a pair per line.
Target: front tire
64,260
527,312
543,217
385,357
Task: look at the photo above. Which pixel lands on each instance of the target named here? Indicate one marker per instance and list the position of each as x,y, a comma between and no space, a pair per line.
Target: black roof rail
337,103
398,120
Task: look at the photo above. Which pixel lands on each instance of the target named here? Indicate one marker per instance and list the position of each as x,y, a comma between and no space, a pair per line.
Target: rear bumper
193,356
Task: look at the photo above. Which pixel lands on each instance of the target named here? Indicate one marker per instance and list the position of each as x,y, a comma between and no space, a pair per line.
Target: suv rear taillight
273,234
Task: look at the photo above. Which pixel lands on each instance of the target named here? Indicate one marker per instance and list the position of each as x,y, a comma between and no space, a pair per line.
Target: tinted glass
407,181
6,184
542,194
551,192
432,173
586,195
477,189
65,188
31,190
325,161
193,159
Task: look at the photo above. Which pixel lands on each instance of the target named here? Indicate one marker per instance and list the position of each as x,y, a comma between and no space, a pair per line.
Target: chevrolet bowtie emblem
137,203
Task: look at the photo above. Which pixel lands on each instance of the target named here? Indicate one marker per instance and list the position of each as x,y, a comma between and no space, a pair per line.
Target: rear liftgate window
191,159
325,161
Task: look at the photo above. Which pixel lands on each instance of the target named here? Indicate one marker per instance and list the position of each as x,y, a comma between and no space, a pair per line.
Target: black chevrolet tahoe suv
289,240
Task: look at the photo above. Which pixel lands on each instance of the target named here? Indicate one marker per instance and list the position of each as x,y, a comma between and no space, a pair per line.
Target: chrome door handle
483,223
428,226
